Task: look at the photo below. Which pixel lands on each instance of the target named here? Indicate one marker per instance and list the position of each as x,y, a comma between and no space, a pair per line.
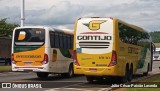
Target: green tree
155,36
6,28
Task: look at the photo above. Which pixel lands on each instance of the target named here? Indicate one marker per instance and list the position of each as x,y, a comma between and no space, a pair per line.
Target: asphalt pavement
58,83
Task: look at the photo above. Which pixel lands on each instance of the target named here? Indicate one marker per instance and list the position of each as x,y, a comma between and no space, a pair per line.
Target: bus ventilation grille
94,44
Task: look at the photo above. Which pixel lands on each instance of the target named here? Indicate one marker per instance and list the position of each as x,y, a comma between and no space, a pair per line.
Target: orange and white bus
110,47
43,50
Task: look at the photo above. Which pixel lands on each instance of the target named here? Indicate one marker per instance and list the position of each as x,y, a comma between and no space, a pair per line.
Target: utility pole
22,13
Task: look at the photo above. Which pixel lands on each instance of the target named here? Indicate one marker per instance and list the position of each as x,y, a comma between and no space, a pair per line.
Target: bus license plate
93,69
28,63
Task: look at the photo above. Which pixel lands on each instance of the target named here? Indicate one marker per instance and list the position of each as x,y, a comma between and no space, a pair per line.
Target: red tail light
12,58
75,58
113,59
45,61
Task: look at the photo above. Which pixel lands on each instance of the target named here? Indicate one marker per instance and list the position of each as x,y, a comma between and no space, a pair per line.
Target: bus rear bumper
98,71
33,69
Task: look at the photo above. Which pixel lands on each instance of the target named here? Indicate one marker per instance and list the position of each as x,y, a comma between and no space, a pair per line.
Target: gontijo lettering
28,56
86,37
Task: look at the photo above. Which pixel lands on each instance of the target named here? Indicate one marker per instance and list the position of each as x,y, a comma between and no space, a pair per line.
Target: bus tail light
113,59
12,58
75,58
45,61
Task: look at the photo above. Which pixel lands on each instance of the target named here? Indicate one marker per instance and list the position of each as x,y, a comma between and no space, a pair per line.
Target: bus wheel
124,79
70,72
42,74
146,73
90,79
130,74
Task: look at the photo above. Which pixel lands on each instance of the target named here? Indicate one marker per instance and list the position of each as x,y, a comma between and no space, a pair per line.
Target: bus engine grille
88,44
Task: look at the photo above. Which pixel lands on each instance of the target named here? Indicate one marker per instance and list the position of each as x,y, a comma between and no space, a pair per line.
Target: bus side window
52,39
57,40
61,40
69,41
65,41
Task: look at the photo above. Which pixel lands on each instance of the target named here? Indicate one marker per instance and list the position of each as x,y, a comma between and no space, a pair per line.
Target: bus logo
94,25
22,35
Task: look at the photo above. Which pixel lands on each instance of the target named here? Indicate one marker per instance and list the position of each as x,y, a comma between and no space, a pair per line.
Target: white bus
156,54
43,50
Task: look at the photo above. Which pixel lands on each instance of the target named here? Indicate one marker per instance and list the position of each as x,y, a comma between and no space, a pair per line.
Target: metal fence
5,61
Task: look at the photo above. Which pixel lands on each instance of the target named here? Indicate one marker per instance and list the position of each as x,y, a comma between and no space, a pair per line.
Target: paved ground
57,83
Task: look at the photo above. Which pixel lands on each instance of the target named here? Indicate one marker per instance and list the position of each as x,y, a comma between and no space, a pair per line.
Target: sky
63,13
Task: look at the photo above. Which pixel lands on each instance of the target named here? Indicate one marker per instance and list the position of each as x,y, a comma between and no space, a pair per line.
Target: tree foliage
6,28
155,36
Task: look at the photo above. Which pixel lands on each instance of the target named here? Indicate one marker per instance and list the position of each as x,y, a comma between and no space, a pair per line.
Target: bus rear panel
94,44
28,50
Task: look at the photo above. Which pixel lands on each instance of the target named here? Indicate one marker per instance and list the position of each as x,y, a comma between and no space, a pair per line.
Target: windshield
29,36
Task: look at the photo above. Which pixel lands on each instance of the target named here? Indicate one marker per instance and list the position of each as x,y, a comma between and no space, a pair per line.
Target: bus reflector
12,58
113,59
75,58
45,61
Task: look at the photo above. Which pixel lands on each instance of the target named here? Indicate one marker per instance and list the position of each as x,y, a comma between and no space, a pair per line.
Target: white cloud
63,13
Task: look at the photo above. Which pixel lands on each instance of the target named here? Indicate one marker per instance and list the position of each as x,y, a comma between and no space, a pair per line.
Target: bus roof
31,27
67,31
116,19
131,25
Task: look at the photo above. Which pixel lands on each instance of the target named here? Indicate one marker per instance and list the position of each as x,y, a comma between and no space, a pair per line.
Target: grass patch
5,68
152,79
142,89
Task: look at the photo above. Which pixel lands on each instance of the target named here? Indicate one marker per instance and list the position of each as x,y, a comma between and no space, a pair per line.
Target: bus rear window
27,35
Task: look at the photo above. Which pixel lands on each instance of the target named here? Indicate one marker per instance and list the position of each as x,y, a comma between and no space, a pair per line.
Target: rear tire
42,75
70,72
124,79
130,74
